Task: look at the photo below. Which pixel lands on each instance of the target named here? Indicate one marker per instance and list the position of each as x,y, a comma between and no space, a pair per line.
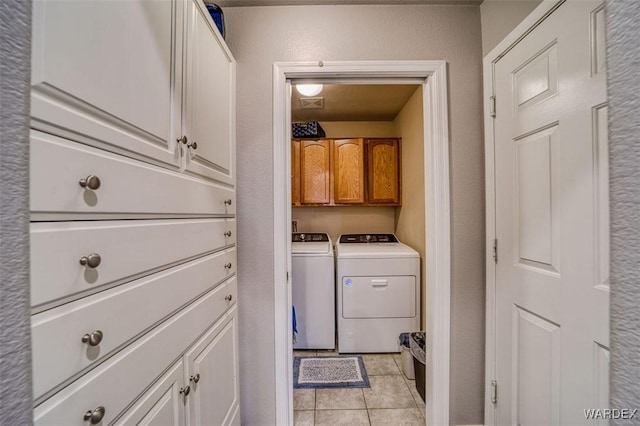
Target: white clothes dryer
378,292
313,290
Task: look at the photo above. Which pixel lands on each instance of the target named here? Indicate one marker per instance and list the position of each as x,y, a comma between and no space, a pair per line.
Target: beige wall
260,36
344,220
358,129
500,17
410,217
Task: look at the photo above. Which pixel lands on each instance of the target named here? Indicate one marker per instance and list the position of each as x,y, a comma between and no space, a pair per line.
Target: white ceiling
355,102
242,3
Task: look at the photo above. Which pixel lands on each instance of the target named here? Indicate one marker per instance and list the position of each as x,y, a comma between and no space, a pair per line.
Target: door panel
89,83
348,171
379,297
209,102
383,156
315,168
551,221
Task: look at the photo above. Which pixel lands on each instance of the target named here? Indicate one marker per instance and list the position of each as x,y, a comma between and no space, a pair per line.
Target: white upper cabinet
209,106
151,80
108,74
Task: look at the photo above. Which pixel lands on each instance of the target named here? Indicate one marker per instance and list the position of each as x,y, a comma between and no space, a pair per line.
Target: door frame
539,14
433,77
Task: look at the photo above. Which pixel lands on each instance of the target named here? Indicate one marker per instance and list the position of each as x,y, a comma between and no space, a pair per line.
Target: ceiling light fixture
309,89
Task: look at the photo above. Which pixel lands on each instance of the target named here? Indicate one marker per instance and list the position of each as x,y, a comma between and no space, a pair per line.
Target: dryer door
379,297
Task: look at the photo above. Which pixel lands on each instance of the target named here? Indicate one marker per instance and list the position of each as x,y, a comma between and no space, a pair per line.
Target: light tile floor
392,399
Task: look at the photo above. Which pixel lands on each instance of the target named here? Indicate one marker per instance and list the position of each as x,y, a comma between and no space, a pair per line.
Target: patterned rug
329,372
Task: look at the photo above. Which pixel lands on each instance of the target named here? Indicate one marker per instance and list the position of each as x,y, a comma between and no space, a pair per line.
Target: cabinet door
162,405
348,171
315,169
104,73
383,171
295,172
209,112
212,373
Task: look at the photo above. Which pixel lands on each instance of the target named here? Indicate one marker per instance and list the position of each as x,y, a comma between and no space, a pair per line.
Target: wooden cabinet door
348,171
295,172
209,103
108,74
383,171
212,373
315,171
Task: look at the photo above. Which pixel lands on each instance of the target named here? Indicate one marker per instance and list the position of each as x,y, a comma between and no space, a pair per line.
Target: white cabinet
133,206
212,370
152,80
105,73
162,405
209,101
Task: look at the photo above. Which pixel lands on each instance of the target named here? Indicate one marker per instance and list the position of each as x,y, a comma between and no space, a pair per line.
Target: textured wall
410,218
623,63
362,129
15,344
500,17
260,36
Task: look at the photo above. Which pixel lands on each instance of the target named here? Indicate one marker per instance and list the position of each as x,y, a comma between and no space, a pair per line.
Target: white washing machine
378,288
313,290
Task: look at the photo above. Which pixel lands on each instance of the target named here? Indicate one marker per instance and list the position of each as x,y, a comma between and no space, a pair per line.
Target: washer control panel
368,238
316,237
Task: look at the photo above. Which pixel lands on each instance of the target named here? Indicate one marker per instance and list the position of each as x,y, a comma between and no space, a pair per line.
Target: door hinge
492,106
494,392
495,250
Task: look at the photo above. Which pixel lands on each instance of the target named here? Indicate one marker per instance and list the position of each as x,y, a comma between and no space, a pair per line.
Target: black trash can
417,344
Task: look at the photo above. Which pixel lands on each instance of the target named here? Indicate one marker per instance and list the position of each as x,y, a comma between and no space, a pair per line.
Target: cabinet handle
227,234
94,338
182,140
92,182
195,378
91,261
227,202
185,391
228,298
193,145
94,417
228,265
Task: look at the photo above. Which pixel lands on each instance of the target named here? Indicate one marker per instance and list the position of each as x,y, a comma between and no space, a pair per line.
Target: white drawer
119,381
126,186
127,250
120,314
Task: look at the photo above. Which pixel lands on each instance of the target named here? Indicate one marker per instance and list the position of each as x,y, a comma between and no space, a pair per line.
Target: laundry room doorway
431,75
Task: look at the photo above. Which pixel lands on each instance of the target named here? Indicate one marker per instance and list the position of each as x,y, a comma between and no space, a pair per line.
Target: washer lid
375,251
311,243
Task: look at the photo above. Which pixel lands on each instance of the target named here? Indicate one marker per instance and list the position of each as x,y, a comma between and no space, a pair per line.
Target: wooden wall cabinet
348,171
343,172
315,171
383,158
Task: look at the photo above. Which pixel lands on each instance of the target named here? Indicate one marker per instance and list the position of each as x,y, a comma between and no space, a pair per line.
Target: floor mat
329,372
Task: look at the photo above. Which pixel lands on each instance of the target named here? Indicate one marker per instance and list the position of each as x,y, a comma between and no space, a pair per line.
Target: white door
209,103
103,74
552,293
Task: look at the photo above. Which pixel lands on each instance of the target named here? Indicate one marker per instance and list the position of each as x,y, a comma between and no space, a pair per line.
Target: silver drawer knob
94,338
92,182
94,417
227,234
92,261
228,298
183,139
195,378
227,202
185,391
193,145
228,265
